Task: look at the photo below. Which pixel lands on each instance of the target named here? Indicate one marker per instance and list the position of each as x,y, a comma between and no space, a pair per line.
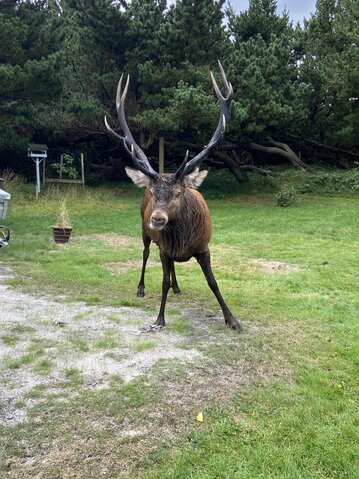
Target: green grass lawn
301,422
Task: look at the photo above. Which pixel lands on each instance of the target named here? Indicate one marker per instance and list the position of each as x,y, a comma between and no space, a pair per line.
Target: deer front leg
174,283
204,260
146,252
166,284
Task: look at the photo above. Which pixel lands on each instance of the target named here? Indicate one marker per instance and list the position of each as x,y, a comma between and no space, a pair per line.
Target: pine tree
94,49
263,69
30,77
260,19
330,66
174,91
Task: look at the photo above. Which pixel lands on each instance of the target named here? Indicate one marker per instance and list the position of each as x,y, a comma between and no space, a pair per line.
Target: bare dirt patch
274,266
122,266
112,239
43,339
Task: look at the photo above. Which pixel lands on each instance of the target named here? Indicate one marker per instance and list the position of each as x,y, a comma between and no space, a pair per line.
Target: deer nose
158,220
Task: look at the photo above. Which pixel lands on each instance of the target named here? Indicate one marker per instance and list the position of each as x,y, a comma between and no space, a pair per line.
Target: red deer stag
174,214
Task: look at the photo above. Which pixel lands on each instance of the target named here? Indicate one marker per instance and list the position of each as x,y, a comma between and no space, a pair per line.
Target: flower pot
61,235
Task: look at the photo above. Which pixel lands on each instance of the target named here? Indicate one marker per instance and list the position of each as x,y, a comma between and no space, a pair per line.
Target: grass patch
88,299
24,360
259,442
10,340
179,325
145,345
115,381
126,303
73,377
43,367
77,343
37,392
115,318
21,328
83,315
109,339
15,282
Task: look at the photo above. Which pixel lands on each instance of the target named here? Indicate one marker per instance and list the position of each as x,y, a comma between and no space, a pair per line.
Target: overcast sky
298,9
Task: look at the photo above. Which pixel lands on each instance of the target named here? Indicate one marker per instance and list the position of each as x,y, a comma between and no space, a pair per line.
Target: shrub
331,183
67,167
287,196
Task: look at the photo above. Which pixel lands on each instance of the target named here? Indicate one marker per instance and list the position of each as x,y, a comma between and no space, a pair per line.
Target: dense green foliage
263,65
30,78
332,51
297,85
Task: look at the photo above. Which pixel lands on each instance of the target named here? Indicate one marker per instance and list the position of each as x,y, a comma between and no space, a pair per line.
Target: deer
174,214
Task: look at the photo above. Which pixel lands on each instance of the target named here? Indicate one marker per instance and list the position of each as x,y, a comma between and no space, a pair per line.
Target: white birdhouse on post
37,153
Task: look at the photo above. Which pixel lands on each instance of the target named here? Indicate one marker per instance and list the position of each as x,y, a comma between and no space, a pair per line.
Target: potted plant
63,227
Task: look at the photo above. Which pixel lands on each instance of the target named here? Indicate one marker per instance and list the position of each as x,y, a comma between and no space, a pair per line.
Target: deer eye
177,194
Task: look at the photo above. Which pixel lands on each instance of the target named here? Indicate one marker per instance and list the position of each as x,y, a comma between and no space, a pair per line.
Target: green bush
331,183
66,167
287,196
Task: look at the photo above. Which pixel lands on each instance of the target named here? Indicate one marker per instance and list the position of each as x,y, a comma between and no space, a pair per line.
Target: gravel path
46,339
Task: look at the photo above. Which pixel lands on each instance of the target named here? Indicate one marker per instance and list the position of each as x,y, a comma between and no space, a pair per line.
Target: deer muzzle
158,220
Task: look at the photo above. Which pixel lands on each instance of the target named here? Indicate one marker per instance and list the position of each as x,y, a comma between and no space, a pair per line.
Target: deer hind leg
166,284
204,260
146,251
174,283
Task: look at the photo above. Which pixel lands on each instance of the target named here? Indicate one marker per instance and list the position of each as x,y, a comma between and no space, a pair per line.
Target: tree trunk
221,158
233,166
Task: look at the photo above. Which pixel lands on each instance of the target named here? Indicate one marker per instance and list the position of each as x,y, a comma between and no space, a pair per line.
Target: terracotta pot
61,235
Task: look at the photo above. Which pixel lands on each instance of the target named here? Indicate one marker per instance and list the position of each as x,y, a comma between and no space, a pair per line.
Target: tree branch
327,147
281,149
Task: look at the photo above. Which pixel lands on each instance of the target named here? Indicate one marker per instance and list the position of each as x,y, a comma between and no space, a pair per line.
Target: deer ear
195,179
139,178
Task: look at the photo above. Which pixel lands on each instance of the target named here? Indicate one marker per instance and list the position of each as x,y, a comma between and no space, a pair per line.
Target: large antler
139,158
225,104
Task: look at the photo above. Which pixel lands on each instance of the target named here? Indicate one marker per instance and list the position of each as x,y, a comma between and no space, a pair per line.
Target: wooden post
161,155
82,169
44,173
61,165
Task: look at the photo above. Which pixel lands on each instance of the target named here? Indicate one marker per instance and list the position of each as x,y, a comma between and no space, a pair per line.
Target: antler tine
225,104
139,158
227,84
228,89
113,133
120,98
183,164
131,151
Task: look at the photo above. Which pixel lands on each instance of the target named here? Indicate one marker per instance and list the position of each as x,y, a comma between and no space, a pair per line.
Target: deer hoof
156,327
151,328
160,323
235,325
140,293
